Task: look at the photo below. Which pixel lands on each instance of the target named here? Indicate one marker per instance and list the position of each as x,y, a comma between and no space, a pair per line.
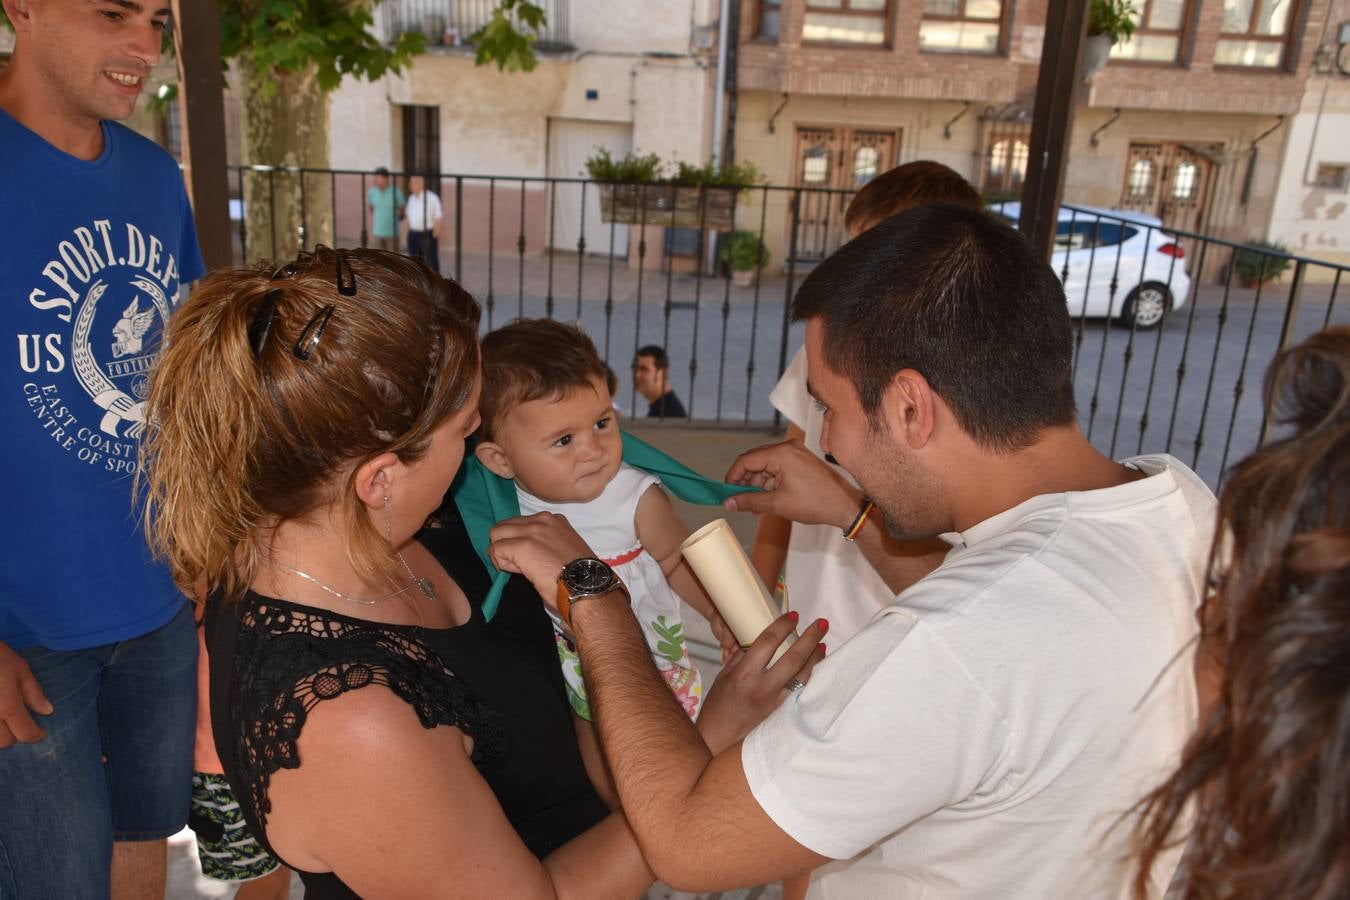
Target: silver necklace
422,584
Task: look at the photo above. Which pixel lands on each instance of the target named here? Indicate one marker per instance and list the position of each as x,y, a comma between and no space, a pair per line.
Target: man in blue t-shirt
384,204
97,647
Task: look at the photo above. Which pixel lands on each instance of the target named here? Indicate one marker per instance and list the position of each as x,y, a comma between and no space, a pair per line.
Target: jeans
114,765
425,246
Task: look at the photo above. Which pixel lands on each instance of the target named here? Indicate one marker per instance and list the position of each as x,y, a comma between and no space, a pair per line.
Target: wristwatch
582,578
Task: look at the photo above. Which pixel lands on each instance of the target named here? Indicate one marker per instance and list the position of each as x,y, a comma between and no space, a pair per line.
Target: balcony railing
1163,362
451,22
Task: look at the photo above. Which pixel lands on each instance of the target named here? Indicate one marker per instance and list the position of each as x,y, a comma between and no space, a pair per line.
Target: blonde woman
382,736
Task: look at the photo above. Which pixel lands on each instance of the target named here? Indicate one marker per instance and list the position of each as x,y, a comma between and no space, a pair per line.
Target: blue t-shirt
386,205
94,252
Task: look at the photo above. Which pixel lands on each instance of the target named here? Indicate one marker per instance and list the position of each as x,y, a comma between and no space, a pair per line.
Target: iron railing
1187,383
454,21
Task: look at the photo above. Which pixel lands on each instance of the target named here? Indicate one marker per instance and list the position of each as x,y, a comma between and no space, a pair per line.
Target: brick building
1199,118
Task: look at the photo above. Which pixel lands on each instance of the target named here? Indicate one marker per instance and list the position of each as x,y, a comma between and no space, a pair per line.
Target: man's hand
19,693
797,485
537,547
746,692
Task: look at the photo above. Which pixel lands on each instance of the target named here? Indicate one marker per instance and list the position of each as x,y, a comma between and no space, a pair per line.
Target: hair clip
261,325
310,334
347,288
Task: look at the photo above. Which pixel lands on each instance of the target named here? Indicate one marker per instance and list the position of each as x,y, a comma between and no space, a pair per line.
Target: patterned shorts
227,849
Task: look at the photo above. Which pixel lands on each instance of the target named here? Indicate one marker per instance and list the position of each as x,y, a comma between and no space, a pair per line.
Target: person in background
1262,791
820,574
425,217
227,851
384,208
651,377
97,653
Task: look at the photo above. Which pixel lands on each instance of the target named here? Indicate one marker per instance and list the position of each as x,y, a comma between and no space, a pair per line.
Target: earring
388,524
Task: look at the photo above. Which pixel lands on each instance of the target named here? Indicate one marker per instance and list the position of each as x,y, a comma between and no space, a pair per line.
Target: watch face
587,576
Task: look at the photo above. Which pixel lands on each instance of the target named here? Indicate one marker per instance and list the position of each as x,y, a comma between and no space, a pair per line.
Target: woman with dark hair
383,732
1263,789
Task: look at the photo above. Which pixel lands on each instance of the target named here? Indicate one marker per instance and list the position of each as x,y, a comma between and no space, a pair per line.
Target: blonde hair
247,433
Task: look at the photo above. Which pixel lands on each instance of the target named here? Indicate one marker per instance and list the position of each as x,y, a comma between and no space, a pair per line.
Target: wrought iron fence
1165,360
452,22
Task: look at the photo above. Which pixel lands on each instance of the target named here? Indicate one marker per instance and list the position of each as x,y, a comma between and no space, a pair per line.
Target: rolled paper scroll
719,562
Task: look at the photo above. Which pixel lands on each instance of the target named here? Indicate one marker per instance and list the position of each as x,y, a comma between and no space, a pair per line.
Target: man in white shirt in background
988,734
424,215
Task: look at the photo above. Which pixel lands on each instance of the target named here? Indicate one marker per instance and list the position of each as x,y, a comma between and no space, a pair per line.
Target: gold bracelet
852,530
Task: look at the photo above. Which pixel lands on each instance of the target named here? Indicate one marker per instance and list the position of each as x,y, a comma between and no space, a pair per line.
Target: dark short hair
914,183
963,300
381,171
657,353
531,359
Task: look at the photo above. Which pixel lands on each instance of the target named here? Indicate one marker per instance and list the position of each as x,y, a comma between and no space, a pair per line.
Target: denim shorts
114,765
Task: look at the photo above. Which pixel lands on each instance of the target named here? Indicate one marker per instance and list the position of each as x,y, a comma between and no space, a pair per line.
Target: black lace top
273,661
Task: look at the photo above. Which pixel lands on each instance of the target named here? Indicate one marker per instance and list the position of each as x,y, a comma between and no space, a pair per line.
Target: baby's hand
722,631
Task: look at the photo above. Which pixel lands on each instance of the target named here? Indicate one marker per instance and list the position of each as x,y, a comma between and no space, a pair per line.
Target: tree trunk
286,212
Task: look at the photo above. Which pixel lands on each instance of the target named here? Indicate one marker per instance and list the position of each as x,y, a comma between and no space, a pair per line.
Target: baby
548,424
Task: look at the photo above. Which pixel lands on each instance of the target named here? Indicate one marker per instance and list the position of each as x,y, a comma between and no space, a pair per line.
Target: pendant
425,586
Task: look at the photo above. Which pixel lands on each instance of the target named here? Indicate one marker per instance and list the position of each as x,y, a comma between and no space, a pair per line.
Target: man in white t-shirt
989,733
424,215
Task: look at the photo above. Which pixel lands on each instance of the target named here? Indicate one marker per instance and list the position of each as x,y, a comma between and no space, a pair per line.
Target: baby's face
564,449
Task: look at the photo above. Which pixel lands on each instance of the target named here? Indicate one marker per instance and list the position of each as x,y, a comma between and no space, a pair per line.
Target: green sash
484,499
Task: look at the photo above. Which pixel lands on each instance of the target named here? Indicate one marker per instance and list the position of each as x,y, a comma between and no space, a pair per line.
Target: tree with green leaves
290,55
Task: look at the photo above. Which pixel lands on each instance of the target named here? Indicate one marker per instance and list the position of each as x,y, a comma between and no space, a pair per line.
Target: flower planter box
670,205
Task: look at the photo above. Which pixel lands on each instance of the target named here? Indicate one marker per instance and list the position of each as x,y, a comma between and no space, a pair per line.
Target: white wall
1315,221
361,125
625,26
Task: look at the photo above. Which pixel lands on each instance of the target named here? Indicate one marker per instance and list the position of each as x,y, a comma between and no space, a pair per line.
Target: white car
1099,246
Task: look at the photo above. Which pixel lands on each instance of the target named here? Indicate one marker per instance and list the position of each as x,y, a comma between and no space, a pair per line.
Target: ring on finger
794,685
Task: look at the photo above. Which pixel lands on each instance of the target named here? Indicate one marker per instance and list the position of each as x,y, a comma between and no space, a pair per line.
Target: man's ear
375,477
17,10
491,455
909,409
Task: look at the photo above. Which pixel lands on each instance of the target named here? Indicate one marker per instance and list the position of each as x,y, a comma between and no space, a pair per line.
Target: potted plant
747,256
1259,262
635,192
1109,23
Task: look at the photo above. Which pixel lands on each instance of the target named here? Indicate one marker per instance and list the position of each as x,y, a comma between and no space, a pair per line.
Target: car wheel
1146,305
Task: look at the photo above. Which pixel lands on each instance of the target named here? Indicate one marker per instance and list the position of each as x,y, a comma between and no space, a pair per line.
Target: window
962,26
1333,176
1255,33
1157,36
1084,234
1007,164
846,21
1005,160
1141,178
769,14
422,140
865,161
1184,180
